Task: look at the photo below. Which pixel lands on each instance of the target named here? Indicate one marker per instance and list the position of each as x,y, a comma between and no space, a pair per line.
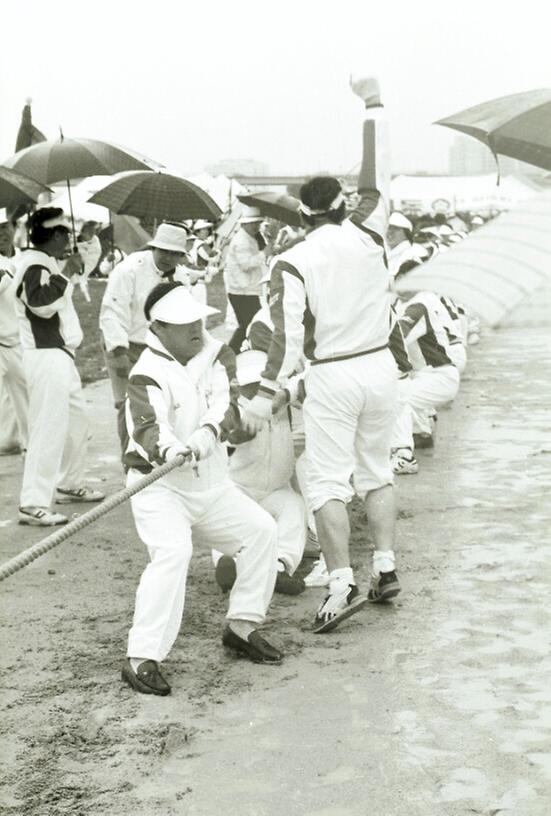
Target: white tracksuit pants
349,412
14,401
458,355
418,396
289,513
302,482
58,426
165,519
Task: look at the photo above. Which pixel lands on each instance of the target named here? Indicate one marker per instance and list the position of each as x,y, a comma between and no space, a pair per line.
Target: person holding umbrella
122,320
50,334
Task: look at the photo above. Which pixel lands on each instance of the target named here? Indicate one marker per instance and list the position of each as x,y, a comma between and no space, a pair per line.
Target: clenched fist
367,88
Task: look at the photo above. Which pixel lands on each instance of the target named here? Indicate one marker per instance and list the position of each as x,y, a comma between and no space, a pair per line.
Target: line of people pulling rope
332,385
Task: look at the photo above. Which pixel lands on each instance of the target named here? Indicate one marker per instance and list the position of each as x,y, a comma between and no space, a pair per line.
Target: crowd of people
328,384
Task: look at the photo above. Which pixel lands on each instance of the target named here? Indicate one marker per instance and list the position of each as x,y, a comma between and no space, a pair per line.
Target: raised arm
374,180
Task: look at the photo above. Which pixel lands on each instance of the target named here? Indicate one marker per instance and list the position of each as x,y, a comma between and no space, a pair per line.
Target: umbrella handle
75,249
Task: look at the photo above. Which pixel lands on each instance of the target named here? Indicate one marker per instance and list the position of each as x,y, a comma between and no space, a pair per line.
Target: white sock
340,579
383,561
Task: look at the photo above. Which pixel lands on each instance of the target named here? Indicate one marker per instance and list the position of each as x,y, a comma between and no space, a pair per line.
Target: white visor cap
398,219
179,307
250,365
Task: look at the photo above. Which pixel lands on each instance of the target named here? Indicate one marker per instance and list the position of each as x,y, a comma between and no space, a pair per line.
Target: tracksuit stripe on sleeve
145,428
39,293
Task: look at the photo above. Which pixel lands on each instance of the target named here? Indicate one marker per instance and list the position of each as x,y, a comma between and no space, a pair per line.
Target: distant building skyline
238,167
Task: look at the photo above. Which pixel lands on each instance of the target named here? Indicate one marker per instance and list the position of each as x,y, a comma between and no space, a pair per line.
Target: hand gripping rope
51,541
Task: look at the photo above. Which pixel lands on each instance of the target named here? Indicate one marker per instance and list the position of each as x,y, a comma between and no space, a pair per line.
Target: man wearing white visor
179,400
50,333
330,297
122,321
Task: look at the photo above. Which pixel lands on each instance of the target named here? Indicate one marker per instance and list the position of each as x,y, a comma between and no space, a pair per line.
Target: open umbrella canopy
518,126
16,189
275,205
497,267
159,196
63,159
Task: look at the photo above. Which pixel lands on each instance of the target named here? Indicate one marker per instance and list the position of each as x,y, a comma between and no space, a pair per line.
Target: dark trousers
245,308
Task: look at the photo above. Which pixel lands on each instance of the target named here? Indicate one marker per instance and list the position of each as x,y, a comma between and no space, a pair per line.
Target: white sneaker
318,576
78,494
403,464
40,517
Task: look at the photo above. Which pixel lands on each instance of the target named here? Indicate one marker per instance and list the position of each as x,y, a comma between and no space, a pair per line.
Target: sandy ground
437,705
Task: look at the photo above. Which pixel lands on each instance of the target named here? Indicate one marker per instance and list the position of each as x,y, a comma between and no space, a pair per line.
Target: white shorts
349,414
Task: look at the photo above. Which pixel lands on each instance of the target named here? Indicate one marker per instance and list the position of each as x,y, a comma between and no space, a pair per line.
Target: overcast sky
191,83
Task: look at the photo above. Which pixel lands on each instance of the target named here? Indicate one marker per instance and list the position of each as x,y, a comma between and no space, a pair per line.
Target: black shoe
225,573
289,585
423,440
147,679
337,607
255,647
384,587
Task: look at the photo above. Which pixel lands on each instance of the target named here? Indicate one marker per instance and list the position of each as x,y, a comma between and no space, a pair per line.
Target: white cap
477,219
172,237
250,215
250,365
398,219
202,224
179,307
445,229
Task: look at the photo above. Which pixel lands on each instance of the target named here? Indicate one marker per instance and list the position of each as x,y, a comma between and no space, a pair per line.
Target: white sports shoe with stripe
78,494
40,517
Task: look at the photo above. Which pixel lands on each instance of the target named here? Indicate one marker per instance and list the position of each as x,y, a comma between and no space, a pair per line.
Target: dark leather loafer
225,573
147,679
255,647
289,584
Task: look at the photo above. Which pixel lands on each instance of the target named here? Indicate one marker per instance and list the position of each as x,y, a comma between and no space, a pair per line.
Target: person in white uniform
330,296
433,381
50,333
262,467
180,401
121,320
13,388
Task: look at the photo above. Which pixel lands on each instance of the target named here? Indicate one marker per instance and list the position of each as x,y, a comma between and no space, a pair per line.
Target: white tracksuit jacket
44,303
167,401
330,294
122,318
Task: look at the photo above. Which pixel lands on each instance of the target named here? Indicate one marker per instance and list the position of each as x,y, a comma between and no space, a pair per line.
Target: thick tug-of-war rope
42,547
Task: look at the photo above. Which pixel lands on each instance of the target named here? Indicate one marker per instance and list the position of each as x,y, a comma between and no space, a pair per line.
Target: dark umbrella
518,126
158,196
64,159
16,189
280,206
